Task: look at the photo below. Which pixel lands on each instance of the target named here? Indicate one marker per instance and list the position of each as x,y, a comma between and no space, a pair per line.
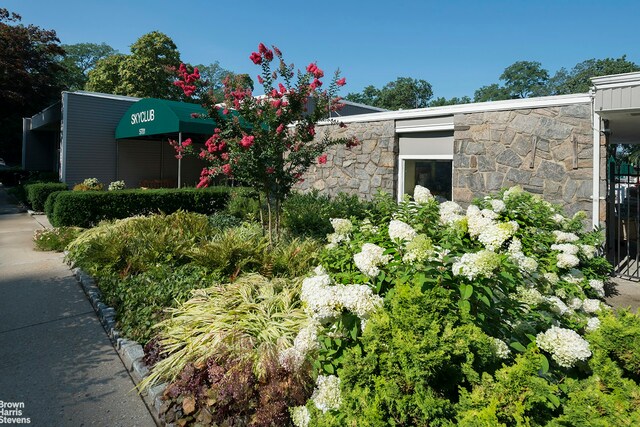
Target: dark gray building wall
39,148
88,132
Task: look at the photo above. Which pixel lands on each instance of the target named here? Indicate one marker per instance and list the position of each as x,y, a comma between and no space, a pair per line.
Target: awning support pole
179,161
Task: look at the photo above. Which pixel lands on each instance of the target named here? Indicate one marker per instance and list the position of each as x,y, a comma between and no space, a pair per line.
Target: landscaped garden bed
419,313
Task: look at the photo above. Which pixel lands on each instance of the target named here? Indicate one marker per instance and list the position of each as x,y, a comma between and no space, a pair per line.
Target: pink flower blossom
280,128
322,159
204,182
224,156
247,141
268,55
226,169
312,130
270,170
341,82
187,142
256,58
278,52
260,79
262,48
283,89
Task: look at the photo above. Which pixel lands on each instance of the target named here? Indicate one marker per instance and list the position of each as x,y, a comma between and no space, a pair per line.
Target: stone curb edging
129,351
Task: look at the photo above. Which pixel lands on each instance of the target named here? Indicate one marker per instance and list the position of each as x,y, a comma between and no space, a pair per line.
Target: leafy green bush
88,208
89,184
140,300
309,214
55,239
37,193
50,203
244,204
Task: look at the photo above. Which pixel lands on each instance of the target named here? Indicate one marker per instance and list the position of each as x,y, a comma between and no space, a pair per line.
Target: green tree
29,77
79,59
442,101
492,92
578,80
524,79
212,79
147,72
405,93
368,96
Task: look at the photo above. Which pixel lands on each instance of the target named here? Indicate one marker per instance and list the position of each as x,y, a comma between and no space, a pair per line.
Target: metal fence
623,218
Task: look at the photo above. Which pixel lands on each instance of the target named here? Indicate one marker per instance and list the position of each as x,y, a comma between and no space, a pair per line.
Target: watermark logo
13,413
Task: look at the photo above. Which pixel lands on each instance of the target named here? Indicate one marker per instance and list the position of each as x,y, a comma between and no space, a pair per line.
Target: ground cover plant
427,314
55,239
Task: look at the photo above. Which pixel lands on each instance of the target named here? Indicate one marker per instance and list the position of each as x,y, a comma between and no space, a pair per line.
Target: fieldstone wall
361,170
545,150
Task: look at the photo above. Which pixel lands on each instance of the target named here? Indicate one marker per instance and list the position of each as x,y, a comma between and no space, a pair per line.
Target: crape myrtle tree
267,142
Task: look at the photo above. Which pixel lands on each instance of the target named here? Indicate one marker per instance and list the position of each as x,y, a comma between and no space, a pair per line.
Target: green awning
151,116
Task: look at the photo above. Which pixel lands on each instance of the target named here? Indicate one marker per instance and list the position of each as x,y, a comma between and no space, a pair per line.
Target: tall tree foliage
147,72
403,93
578,79
29,77
79,59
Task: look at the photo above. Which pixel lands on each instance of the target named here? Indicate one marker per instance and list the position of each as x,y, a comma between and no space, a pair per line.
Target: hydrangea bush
413,310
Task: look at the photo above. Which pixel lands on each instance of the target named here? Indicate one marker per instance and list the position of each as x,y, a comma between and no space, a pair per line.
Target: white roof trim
476,107
616,80
424,128
104,95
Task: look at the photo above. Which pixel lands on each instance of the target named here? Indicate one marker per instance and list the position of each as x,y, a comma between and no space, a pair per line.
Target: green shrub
88,208
37,193
133,245
89,184
50,204
223,220
309,214
141,300
55,239
244,204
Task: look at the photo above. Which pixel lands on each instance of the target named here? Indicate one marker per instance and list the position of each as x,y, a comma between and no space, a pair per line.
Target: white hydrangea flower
552,278
574,276
450,212
588,251
590,305
498,205
566,260
359,299
326,396
494,235
557,305
557,218
565,346
367,227
488,213
320,298
567,248
300,416
419,249
592,324
525,264
515,246
370,258
401,230
529,296
598,286
422,194
562,237
476,221
511,192
478,264
501,348
341,226
305,342
575,304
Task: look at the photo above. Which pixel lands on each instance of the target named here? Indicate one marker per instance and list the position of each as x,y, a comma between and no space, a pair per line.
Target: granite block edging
130,352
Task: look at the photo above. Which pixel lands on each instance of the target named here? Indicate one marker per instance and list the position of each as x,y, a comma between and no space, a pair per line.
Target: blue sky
457,46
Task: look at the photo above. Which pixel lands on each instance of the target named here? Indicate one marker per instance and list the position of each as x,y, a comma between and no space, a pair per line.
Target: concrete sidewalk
56,361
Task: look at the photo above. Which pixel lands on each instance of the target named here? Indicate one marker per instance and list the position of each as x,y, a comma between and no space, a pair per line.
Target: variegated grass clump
224,320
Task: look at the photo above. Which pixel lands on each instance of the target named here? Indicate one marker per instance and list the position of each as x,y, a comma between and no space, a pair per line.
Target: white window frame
401,167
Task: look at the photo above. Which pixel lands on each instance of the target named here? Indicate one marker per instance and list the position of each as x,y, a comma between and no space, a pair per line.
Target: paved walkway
56,361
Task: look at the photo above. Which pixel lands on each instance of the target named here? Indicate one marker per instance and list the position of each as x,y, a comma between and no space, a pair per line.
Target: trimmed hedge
88,208
50,203
37,193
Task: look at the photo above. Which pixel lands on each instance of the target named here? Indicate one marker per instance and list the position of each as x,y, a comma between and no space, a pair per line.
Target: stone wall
361,170
494,150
